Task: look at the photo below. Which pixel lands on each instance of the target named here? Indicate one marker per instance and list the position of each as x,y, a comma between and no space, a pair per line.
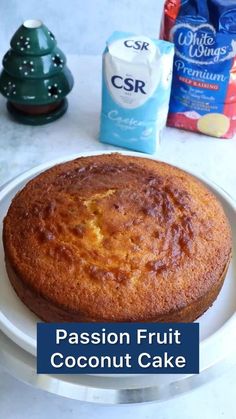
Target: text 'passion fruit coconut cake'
116,238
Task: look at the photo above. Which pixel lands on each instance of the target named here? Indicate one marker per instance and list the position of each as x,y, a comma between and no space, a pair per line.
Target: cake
116,238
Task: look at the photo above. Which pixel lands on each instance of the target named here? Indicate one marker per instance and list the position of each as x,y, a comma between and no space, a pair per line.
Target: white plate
19,323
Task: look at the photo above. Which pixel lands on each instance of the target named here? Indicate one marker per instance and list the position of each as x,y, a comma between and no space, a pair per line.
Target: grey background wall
81,26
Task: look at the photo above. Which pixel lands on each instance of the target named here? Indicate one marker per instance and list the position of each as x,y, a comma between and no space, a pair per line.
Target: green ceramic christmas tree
35,78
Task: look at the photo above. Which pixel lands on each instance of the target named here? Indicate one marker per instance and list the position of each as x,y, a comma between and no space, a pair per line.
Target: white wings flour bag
203,97
137,75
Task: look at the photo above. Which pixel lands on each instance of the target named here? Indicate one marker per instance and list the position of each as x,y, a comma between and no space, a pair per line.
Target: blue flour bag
136,83
203,97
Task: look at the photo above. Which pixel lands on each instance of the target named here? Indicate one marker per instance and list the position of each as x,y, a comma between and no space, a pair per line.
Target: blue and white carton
136,84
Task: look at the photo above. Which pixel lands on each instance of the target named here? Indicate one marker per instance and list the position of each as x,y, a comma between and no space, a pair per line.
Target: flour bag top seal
137,74
203,97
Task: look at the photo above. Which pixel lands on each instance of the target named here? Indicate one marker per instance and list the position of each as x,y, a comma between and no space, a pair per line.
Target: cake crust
116,238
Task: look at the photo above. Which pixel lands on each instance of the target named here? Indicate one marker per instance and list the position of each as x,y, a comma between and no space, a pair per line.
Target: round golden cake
116,238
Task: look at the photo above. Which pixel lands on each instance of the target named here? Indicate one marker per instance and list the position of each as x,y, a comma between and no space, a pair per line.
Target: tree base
34,119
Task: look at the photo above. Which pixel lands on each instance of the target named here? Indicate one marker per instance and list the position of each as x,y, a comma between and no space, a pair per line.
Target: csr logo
128,84
141,45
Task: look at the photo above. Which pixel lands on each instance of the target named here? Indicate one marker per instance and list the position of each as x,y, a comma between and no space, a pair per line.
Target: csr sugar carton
136,83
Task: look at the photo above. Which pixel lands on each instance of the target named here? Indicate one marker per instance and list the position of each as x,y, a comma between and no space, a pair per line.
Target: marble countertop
22,147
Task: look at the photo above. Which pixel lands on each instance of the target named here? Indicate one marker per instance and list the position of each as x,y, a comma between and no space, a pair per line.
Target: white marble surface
82,27
22,147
